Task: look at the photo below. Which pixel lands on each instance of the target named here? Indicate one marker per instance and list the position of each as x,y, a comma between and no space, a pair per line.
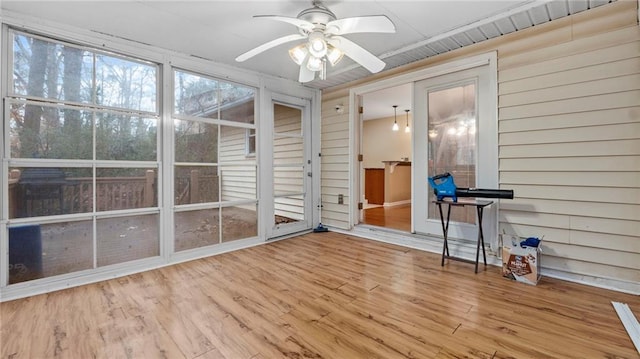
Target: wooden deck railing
112,193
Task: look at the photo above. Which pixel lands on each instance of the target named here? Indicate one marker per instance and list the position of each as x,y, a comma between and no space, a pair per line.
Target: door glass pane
288,165
452,141
288,183
289,209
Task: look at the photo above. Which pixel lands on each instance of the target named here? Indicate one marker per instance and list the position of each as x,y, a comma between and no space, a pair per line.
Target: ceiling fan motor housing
318,16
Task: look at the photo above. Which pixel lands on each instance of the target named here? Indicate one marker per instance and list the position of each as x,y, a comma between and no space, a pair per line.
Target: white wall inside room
380,143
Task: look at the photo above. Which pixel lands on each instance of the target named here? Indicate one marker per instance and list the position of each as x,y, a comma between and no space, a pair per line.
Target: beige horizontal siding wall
335,162
569,140
569,144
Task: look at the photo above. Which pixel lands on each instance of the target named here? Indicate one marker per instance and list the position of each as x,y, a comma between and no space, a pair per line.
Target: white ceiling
221,30
379,104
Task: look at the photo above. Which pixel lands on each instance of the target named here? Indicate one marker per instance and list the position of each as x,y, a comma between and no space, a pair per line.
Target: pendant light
407,129
395,119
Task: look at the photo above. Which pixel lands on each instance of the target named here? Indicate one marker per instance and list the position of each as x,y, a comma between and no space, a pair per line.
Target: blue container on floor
25,253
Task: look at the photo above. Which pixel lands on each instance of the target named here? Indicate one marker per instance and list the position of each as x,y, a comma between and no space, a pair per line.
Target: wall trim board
467,251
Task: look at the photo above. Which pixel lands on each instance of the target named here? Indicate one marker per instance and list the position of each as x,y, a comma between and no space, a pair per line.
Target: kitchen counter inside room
397,182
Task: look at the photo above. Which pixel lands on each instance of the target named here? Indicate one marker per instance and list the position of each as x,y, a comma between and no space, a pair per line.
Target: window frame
94,215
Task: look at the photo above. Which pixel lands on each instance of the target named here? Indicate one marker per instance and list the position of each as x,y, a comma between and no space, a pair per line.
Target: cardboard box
521,264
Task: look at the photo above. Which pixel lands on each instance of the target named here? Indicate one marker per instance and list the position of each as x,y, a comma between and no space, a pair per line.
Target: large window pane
195,184
233,142
238,182
126,188
195,95
124,239
194,229
49,132
77,105
44,250
238,172
126,138
50,70
239,222
48,191
196,142
125,84
237,103
205,97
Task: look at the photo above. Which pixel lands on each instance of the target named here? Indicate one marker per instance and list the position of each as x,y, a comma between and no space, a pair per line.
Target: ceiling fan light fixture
334,55
322,33
314,63
317,44
299,53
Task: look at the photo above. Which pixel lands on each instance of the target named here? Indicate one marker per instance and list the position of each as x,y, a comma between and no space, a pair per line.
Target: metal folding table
479,205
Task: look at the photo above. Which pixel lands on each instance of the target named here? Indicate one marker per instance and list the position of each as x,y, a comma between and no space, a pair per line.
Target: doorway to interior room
454,130
386,158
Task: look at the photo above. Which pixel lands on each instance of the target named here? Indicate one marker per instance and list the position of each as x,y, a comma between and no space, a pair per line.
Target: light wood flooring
395,217
321,295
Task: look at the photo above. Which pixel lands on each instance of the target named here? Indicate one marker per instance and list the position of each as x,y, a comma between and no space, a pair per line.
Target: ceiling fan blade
303,24
306,75
273,43
357,53
350,25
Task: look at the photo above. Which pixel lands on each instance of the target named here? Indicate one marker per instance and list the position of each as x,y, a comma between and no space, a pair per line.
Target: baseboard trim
467,250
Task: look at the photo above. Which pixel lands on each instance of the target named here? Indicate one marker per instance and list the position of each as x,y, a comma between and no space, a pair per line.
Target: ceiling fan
324,41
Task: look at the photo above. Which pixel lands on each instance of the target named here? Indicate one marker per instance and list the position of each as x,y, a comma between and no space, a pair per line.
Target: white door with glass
291,205
456,132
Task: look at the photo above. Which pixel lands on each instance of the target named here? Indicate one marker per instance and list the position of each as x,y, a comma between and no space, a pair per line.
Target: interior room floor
394,217
320,295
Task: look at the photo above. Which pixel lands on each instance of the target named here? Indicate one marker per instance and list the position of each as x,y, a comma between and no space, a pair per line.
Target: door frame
266,157
356,189
486,163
